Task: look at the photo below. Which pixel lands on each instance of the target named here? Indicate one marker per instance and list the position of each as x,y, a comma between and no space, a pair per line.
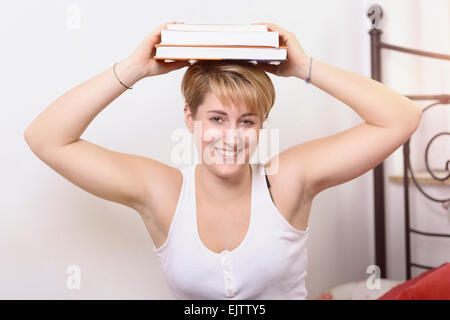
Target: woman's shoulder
164,186
162,201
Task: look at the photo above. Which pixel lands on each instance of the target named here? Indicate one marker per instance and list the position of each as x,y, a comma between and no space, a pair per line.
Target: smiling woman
214,227
227,98
217,228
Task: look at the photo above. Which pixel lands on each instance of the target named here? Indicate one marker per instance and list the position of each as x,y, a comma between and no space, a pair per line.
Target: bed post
375,13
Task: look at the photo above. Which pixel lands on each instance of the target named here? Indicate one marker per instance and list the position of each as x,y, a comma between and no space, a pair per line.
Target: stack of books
252,42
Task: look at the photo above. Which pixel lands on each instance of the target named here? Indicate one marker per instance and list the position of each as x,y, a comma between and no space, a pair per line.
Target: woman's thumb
269,67
177,64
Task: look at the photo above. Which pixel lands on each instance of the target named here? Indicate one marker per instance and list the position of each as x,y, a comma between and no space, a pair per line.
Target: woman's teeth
226,153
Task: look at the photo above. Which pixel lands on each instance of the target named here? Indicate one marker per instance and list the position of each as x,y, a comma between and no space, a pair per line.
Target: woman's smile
227,154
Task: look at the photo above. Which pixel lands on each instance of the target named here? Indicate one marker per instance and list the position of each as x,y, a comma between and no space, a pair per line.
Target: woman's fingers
144,53
155,36
267,67
296,56
274,27
283,33
171,66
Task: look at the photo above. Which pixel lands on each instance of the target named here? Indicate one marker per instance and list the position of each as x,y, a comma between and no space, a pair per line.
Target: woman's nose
231,136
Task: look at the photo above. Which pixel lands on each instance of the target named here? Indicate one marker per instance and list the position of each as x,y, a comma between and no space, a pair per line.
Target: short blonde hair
237,81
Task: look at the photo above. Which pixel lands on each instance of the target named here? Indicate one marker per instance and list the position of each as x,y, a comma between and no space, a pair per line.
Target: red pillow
392,294
435,286
441,281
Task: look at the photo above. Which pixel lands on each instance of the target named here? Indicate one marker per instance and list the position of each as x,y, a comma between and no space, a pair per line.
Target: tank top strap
182,217
261,182
268,209
259,185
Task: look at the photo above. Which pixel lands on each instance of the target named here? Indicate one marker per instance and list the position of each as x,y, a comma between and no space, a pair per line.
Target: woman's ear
189,120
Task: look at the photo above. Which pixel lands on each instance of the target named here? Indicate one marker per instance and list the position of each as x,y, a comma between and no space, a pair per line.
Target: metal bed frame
375,13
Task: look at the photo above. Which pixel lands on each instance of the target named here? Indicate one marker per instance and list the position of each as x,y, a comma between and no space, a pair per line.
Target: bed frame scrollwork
375,13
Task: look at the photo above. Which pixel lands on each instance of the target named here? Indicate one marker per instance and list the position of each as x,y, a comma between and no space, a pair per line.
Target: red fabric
433,284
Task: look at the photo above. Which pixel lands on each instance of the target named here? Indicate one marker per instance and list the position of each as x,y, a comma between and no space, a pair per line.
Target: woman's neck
223,189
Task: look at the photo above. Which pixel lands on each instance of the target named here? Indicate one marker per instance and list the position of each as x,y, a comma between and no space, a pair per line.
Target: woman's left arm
374,102
389,117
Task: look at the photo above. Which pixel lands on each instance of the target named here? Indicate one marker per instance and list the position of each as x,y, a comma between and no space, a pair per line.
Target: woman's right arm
54,135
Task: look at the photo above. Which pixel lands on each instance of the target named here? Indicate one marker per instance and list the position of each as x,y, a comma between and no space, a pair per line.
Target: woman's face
225,136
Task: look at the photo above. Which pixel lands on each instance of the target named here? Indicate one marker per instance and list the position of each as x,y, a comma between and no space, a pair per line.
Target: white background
48,224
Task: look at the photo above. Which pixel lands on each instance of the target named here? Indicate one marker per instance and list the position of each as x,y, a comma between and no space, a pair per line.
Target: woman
218,231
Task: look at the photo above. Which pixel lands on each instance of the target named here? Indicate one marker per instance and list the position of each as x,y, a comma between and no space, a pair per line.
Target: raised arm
389,120
54,135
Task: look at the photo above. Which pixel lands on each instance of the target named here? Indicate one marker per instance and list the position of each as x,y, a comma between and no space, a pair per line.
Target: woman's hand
298,61
144,55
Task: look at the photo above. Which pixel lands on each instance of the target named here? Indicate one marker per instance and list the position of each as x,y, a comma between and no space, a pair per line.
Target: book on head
220,42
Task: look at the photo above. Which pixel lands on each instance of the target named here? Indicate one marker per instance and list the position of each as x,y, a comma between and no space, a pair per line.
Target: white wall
48,224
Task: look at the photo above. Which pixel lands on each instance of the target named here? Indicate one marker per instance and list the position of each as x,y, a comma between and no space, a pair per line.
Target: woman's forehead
212,105
218,108
211,101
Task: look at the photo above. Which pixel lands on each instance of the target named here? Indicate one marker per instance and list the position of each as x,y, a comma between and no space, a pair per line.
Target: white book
173,53
225,38
216,27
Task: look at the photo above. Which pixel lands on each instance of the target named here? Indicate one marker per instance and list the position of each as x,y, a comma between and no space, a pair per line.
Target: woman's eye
247,122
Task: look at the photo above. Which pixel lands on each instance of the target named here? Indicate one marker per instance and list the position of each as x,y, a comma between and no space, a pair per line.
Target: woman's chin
228,169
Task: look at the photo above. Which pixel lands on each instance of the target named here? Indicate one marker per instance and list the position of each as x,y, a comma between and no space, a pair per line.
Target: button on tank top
269,263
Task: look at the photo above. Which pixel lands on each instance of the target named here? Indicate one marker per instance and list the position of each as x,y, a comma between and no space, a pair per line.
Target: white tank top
269,264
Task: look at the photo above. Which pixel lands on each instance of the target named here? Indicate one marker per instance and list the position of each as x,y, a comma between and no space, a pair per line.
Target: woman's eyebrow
217,111
224,113
248,114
